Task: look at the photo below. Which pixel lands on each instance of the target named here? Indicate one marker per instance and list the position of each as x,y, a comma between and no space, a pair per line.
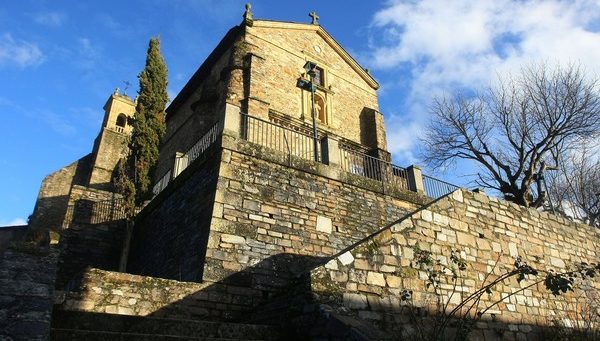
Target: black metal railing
162,183
371,167
192,154
95,212
291,141
202,145
436,188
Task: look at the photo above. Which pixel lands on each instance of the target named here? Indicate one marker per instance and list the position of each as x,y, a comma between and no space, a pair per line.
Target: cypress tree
134,173
149,121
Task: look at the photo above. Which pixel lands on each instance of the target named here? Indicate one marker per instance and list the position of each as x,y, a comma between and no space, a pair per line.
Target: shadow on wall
233,297
94,239
277,292
9,234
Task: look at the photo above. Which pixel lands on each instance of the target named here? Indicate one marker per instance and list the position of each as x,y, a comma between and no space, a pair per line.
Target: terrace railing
95,212
368,166
436,188
292,141
298,142
183,161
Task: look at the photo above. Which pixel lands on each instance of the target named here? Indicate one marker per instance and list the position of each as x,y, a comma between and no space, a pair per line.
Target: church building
278,213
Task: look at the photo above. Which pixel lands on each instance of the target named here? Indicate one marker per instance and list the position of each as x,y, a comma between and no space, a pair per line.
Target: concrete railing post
231,120
415,179
330,151
179,164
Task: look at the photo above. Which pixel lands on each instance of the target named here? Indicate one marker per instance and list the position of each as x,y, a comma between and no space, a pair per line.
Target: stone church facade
252,224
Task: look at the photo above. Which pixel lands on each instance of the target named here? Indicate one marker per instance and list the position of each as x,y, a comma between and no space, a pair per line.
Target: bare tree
516,130
575,188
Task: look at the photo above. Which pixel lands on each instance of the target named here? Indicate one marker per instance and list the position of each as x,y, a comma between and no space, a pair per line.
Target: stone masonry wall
282,50
369,279
112,146
194,117
170,235
126,294
53,198
268,213
89,245
27,282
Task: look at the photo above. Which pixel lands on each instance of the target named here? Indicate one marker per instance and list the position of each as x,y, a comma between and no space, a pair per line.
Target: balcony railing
292,141
298,142
370,167
436,188
182,162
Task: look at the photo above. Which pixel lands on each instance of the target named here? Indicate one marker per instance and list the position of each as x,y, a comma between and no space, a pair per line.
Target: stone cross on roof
315,18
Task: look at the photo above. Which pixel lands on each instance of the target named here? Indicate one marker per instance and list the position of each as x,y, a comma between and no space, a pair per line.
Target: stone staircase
79,325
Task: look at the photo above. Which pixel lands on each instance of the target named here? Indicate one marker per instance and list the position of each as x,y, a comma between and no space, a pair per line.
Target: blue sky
60,60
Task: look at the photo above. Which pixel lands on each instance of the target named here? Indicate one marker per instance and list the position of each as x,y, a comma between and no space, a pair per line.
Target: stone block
557,262
466,239
232,239
324,224
355,301
332,265
346,258
427,215
375,278
393,281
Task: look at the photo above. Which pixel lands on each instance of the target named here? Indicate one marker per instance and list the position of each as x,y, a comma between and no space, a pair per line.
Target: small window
319,78
121,120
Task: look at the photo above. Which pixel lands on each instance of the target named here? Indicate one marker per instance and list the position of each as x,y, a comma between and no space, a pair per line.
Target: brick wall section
27,282
264,208
170,235
369,279
120,293
87,245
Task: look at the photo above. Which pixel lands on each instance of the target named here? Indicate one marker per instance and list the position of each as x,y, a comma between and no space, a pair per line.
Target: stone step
148,325
59,334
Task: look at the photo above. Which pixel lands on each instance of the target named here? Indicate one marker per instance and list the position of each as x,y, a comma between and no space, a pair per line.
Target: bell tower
111,144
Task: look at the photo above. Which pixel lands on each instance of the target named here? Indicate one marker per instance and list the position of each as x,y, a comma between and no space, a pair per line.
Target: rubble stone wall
370,279
169,236
126,294
270,210
27,281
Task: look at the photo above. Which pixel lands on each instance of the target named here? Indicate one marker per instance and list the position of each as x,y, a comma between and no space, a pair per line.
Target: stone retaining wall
27,282
268,205
370,279
89,245
170,235
119,293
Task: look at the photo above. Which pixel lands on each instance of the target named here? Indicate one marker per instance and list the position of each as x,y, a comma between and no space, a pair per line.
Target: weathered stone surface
346,258
324,224
385,273
355,301
375,278
228,238
27,277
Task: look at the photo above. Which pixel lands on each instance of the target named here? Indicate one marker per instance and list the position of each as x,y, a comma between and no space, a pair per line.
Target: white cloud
14,222
19,52
463,44
50,19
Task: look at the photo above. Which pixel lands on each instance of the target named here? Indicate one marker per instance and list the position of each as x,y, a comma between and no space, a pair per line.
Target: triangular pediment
320,31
